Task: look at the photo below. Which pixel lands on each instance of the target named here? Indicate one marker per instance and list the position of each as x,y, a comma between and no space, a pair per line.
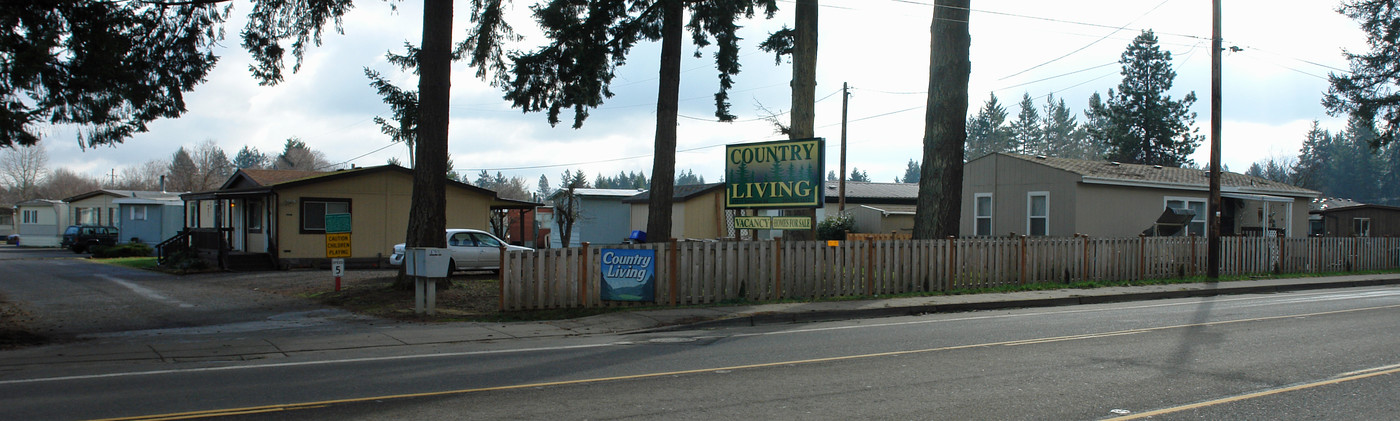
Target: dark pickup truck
80,238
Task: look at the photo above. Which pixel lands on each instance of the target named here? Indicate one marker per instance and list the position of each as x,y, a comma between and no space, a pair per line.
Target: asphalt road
1327,354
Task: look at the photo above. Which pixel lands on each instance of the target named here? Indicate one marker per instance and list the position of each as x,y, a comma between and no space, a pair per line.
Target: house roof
679,193
605,192
156,195
267,177
1105,172
39,202
315,177
1355,207
869,190
888,210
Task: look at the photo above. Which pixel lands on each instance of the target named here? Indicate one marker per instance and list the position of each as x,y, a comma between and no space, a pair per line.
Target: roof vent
1157,166
1114,163
1040,157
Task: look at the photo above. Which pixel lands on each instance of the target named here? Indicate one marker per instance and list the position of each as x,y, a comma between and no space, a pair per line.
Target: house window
111,216
1197,226
982,213
314,211
30,216
255,216
1038,213
138,213
1361,227
87,216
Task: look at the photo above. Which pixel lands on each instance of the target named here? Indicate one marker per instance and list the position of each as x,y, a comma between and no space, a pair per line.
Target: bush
185,260
122,250
835,227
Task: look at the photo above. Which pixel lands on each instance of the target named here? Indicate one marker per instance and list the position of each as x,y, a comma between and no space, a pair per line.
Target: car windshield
71,231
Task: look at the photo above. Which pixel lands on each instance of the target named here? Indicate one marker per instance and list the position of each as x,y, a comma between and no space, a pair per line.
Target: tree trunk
945,131
663,167
804,93
427,216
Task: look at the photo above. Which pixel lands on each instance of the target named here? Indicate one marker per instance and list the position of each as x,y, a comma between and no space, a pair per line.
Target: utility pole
845,100
1213,211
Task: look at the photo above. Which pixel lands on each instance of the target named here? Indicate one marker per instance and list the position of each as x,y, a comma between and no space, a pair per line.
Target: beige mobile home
266,217
1012,194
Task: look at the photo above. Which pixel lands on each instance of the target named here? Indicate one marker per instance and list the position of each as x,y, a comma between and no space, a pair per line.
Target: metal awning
1257,197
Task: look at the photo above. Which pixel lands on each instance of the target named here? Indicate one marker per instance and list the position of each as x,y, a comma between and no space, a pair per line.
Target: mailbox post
425,265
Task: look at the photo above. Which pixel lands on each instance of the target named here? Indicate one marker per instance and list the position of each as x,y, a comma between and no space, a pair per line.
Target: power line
1154,8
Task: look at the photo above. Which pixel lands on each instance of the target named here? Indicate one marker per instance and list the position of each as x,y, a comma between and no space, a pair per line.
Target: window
138,213
87,216
982,213
255,216
30,216
483,240
1038,213
1197,226
314,211
111,216
1361,227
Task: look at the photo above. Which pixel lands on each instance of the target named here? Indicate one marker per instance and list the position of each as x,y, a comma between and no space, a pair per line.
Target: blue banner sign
628,275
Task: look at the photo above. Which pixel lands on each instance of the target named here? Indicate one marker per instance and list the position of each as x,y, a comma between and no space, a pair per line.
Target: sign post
337,269
338,243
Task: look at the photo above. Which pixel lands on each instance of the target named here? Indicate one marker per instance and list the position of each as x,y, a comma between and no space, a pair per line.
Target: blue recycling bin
638,236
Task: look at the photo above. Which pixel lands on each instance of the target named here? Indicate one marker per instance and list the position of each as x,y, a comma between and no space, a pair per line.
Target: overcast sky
1272,88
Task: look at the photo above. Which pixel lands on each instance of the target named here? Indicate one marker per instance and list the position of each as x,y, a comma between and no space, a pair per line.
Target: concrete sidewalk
284,343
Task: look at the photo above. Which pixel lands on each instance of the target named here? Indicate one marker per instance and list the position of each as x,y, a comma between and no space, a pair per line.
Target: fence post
952,264
1023,260
1193,255
1142,256
583,276
673,262
870,266
778,268
501,278
1084,269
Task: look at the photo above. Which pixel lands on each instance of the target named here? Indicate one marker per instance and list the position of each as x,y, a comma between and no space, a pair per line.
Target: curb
871,313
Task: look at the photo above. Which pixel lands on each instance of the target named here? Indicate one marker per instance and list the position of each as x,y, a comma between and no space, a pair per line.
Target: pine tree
1026,130
1369,92
911,173
250,157
1144,124
1060,130
987,131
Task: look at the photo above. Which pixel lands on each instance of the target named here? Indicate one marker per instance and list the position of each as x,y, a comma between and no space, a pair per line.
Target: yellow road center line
1247,396
316,404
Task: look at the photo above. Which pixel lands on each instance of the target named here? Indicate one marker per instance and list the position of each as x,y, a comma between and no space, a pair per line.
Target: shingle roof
157,195
868,190
270,177
1156,174
683,192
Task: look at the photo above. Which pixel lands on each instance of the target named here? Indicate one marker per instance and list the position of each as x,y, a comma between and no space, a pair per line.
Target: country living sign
782,174
628,275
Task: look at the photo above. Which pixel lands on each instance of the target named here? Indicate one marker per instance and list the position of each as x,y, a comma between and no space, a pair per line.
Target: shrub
186,260
835,227
122,250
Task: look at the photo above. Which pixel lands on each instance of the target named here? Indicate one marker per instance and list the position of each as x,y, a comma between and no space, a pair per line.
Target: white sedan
470,249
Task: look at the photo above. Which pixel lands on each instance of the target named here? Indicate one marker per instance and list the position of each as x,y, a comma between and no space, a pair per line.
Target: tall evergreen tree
858,175
1093,134
1144,124
987,131
184,174
250,157
1059,129
1310,168
945,131
1370,91
1026,131
911,173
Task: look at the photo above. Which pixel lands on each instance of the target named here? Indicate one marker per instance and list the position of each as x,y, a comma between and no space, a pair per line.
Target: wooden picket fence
690,273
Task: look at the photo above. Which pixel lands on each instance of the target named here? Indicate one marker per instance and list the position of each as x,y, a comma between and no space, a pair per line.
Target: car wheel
76,248
451,267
